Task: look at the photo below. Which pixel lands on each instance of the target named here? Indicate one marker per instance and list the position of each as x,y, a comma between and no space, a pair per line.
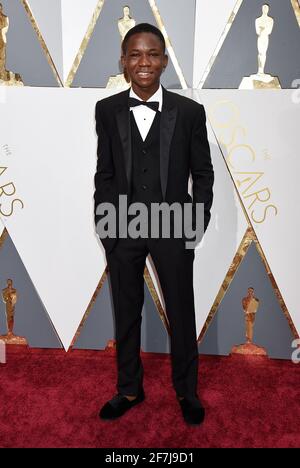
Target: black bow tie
154,105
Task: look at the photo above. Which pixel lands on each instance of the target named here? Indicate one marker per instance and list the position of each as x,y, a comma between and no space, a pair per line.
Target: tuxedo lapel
123,124
167,126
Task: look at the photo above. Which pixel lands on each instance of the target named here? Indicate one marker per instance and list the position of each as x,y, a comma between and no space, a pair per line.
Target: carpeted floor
51,399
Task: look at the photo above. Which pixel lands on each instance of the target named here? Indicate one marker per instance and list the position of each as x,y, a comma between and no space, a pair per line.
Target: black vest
146,186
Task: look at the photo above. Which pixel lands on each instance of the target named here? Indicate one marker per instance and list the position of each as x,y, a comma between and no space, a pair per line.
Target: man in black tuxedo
149,142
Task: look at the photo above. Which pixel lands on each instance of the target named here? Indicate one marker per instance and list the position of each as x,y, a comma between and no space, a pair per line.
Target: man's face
251,292
144,60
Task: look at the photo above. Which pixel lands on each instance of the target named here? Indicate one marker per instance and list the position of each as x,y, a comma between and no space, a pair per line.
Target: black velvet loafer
192,411
119,405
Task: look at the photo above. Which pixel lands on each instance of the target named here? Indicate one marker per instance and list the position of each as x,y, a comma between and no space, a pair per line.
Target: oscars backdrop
239,59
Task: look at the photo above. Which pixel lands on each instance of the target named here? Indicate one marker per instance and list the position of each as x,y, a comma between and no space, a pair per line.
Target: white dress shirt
143,115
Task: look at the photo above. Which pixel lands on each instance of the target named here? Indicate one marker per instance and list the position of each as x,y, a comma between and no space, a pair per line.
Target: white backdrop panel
52,141
259,135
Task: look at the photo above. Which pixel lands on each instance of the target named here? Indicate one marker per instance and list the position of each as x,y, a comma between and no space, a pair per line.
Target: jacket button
144,187
144,169
144,151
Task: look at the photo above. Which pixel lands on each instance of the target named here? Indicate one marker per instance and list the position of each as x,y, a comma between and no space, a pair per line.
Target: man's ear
126,76
166,59
124,68
122,60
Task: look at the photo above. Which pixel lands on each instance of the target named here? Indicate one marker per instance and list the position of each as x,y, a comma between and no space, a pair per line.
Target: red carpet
51,399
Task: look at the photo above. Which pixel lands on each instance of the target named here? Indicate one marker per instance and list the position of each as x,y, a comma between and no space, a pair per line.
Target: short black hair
143,28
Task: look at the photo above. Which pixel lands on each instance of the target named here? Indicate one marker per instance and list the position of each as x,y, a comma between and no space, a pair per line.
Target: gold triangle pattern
247,240
169,46
296,8
3,237
84,43
237,260
41,41
153,294
89,307
220,42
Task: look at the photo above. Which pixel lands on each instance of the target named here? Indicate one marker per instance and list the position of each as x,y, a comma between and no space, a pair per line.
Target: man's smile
144,74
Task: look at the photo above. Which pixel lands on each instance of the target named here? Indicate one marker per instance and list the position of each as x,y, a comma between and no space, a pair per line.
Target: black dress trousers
174,265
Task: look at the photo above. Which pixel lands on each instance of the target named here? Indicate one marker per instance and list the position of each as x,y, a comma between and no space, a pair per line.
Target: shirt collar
157,96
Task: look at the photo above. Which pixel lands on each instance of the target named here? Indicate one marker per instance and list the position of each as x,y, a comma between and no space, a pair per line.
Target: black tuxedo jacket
184,150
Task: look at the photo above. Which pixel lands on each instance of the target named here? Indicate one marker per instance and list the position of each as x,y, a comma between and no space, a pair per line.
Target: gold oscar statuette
124,24
250,305
261,80
9,296
7,78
